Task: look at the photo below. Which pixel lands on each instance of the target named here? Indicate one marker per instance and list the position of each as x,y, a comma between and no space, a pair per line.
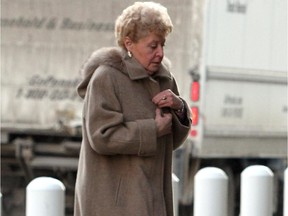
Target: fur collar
117,58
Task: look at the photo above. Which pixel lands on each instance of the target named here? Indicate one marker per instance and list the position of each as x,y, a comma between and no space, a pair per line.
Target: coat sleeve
180,130
106,129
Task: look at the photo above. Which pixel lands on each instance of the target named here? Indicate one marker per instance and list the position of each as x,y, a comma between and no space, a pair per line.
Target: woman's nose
160,51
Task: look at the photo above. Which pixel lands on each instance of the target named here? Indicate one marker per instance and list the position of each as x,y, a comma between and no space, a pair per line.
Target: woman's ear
128,43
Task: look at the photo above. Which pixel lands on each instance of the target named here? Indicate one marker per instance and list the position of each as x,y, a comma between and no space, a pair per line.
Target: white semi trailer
229,58
238,93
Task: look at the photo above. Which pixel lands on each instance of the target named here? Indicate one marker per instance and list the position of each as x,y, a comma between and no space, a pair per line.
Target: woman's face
148,51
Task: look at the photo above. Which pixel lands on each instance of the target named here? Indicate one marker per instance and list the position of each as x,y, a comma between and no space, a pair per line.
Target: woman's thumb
158,111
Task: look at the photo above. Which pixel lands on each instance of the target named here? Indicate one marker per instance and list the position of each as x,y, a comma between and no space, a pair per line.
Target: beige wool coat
124,169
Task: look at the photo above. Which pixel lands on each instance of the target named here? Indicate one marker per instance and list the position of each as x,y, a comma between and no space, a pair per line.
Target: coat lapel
137,72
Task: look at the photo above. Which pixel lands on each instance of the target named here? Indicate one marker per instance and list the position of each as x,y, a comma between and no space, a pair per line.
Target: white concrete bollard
256,191
45,196
211,192
286,192
175,183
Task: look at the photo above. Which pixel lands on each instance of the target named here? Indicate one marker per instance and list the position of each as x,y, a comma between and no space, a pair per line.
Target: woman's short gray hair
137,20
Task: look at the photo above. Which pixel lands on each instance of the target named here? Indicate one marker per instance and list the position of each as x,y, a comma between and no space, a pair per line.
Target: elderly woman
133,118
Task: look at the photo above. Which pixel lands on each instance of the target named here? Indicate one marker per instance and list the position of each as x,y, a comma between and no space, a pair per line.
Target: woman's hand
163,122
167,98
